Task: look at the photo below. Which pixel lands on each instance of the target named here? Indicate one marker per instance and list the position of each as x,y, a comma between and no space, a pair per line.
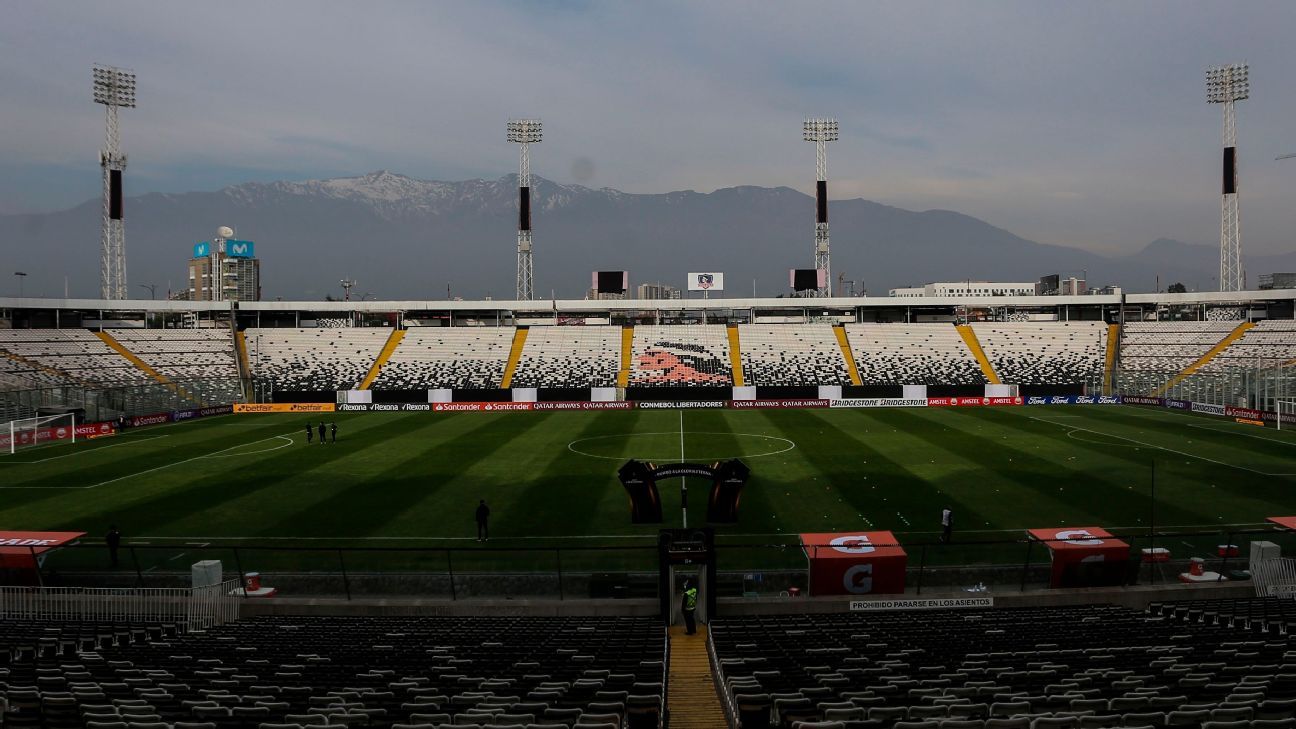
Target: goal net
38,431
1287,412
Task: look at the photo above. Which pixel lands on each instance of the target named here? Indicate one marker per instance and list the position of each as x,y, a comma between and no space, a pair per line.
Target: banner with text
880,402
285,407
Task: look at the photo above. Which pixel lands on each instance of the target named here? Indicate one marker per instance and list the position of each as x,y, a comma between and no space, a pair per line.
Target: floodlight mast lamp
1227,85
115,89
524,133
821,131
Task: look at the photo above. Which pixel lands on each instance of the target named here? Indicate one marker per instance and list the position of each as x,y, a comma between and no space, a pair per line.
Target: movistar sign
202,250
240,249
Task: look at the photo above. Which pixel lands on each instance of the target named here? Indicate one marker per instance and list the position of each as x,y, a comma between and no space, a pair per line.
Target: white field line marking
1072,435
1235,431
88,450
289,442
151,470
1161,448
681,414
572,445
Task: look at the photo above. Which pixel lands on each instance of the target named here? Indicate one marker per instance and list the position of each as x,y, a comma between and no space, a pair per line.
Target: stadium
967,505
1041,423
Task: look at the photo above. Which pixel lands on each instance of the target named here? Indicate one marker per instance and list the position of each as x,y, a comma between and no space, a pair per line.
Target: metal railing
563,571
1258,387
191,608
111,401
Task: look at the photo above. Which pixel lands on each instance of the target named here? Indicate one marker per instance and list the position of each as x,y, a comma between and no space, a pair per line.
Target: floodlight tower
114,88
1227,85
821,132
524,132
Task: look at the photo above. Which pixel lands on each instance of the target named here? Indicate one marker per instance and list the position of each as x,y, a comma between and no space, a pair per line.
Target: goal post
41,430
1286,409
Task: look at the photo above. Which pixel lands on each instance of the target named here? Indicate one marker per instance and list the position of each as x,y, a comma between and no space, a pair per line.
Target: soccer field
550,478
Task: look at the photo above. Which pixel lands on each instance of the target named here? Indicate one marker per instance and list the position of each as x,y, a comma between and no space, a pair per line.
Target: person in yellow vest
689,607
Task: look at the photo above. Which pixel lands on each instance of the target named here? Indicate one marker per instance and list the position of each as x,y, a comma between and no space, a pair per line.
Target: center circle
659,448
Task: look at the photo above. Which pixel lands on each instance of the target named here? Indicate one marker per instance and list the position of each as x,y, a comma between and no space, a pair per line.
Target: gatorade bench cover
1072,547
855,563
18,548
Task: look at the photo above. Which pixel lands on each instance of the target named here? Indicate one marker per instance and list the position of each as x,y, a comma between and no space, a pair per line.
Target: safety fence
110,402
628,567
1274,577
188,608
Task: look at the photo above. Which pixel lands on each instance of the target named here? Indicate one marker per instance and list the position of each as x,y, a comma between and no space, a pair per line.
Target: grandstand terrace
912,354
1043,343
680,355
447,357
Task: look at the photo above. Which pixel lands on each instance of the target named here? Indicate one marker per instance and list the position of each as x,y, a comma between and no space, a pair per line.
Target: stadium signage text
285,407
352,407
481,406
767,403
1201,407
680,404
585,405
1074,400
1141,400
44,435
922,604
880,402
964,401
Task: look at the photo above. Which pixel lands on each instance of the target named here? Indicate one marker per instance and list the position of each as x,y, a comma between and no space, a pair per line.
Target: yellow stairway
974,346
1113,344
840,332
1222,345
735,356
393,341
692,697
627,355
515,354
143,366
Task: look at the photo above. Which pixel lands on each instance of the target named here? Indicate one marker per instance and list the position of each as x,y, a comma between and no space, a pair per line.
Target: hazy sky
1076,123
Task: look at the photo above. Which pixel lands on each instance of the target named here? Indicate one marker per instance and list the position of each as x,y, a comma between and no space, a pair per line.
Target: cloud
1078,123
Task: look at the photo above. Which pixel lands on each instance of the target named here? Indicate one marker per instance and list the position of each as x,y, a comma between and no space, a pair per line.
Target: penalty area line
1160,448
87,450
155,468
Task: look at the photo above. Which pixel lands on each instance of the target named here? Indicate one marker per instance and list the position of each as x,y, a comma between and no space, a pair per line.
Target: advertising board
285,407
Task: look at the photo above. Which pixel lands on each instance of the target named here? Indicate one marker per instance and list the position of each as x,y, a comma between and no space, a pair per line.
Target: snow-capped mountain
407,238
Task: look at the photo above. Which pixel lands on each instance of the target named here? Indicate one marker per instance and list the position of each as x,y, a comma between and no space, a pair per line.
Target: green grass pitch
414,479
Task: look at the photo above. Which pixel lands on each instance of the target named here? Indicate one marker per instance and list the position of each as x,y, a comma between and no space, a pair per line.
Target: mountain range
405,238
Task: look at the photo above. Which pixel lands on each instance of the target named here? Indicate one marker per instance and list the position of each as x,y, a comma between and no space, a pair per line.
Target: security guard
689,605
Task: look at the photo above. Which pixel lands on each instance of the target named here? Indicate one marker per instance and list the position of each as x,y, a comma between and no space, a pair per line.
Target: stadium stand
454,357
677,355
912,354
802,354
77,354
19,374
314,359
1168,346
342,671
187,355
1268,343
1045,353
1032,668
569,356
